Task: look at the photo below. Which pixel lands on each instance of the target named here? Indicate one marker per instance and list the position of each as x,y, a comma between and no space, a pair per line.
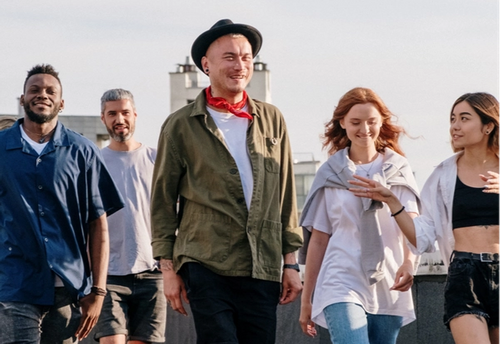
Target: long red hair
335,138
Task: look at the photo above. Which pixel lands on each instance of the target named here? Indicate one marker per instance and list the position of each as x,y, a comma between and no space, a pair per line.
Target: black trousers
231,309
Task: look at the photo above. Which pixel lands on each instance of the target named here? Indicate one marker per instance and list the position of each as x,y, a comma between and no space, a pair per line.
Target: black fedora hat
221,28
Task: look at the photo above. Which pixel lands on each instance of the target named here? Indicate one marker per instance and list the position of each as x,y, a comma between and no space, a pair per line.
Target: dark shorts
231,310
472,288
135,307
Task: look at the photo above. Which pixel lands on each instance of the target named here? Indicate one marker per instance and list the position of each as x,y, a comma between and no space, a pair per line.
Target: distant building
304,169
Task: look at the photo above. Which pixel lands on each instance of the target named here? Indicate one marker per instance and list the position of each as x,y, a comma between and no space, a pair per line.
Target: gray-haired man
134,308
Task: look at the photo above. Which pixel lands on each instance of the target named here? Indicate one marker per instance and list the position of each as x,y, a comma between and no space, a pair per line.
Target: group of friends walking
108,240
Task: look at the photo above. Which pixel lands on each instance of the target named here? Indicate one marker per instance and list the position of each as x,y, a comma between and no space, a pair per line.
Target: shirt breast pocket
272,156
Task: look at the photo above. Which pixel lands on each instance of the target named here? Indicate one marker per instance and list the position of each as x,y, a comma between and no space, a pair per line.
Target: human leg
383,329
114,339
60,323
211,305
147,309
470,329
256,302
20,323
347,323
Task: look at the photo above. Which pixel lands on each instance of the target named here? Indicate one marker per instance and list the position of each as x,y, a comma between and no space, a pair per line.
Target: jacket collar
14,138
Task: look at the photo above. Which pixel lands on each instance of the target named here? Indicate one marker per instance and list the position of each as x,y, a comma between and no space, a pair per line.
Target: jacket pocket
204,237
272,154
270,244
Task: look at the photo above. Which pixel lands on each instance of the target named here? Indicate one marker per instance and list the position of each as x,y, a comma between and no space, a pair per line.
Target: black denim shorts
472,287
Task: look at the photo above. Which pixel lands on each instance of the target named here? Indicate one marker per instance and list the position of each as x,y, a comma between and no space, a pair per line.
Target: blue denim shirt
46,204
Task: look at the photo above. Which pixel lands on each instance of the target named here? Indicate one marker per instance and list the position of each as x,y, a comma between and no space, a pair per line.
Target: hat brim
201,44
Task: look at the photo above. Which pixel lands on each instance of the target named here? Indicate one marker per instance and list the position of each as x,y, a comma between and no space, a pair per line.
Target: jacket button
240,200
233,171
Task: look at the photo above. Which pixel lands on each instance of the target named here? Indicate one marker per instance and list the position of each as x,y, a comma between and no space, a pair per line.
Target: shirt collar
13,136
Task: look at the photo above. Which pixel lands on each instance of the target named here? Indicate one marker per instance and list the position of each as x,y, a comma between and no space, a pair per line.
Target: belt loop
452,256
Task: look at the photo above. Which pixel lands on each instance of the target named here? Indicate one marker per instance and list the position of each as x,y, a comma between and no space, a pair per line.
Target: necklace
369,169
42,136
366,171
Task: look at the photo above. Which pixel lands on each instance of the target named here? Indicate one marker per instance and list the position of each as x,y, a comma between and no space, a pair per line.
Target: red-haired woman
460,211
357,262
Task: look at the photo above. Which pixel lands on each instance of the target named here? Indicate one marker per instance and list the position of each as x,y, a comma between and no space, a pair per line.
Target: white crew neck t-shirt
234,131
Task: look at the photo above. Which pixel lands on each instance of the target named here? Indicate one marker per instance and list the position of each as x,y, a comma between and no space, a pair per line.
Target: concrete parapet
427,329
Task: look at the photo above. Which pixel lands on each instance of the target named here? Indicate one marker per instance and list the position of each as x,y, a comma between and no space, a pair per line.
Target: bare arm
315,254
99,256
371,189
173,286
404,276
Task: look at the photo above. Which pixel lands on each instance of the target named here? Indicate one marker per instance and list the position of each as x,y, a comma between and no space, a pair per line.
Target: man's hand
173,287
291,286
91,306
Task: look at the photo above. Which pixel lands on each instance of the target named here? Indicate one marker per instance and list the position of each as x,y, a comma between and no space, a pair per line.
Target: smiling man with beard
227,158
55,194
134,308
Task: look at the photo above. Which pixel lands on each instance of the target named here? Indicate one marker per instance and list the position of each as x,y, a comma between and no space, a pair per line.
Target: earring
206,70
487,132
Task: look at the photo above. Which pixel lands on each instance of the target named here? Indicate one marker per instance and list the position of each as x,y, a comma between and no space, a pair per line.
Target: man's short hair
116,94
42,69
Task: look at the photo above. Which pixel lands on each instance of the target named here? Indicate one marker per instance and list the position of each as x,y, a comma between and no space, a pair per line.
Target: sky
419,56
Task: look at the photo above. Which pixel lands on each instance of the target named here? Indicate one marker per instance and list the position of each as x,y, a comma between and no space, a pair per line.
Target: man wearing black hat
226,158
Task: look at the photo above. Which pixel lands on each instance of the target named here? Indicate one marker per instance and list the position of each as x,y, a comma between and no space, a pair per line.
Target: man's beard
38,118
121,137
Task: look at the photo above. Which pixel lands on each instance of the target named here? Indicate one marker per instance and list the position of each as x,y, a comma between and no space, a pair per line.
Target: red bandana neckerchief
221,103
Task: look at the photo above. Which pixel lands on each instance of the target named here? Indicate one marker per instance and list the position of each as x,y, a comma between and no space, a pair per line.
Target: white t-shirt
341,277
234,131
130,227
38,147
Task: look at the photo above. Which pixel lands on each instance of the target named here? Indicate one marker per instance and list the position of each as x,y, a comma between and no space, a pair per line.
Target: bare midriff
477,239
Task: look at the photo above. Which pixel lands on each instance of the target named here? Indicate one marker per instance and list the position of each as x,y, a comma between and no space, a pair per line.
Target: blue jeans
348,323
23,323
231,310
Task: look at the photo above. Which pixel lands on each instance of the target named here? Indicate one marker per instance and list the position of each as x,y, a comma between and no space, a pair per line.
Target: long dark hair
486,106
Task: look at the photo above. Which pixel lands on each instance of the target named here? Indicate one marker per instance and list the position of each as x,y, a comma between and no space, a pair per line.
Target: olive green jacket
214,226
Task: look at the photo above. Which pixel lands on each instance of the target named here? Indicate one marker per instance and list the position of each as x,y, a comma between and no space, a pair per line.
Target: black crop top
473,207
